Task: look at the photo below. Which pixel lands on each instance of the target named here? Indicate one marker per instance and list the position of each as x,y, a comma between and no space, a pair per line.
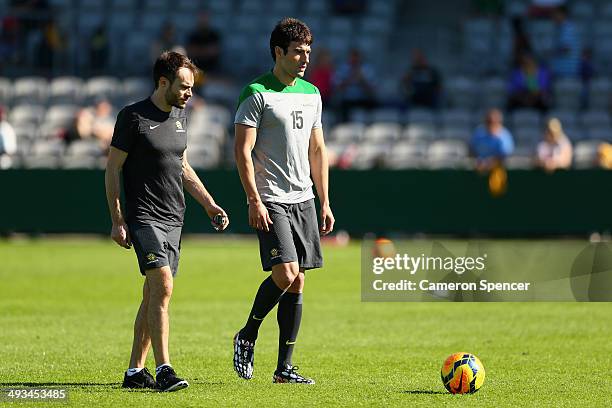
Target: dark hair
168,64
287,30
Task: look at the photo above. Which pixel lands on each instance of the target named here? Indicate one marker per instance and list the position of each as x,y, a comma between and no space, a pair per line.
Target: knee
285,275
160,290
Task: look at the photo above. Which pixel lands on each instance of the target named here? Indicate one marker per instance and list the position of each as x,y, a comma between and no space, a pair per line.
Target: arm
317,156
119,231
243,145
194,186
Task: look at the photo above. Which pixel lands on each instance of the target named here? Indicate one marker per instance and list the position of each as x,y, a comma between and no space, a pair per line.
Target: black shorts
293,236
156,245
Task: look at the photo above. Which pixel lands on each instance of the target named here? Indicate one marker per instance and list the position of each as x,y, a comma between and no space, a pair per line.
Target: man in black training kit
148,147
279,146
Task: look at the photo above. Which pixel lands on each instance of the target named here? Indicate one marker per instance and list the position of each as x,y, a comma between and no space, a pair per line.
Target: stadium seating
475,79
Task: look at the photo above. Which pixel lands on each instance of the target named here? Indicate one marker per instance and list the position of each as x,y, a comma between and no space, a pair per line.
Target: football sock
131,371
158,368
266,298
289,316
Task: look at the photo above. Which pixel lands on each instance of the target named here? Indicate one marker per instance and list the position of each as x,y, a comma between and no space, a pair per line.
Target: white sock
158,369
131,371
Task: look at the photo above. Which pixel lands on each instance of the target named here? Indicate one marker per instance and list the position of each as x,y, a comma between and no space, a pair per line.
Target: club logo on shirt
151,258
274,252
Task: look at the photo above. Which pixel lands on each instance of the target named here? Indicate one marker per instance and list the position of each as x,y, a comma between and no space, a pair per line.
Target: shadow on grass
424,392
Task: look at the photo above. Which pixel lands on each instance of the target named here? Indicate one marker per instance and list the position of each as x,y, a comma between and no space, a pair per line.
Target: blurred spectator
544,8
491,142
165,41
103,123
555,151
566,59
354,84
422,82
322,74
52,45
604,156
9,40
81,127
529,85
98,50
521,44
8,140
587,72
204,45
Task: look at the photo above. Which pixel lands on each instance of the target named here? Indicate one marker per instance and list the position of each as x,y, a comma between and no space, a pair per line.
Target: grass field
67,308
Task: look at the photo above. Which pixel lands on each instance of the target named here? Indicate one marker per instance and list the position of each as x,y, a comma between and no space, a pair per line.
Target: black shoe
288,375
168,381
142,379
244,354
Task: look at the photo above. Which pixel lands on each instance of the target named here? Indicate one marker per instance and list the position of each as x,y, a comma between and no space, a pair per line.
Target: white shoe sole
178,386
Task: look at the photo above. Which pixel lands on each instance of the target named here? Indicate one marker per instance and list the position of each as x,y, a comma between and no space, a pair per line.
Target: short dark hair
287,30
168,64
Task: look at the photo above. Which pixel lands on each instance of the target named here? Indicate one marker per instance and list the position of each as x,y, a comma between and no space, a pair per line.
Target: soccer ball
462,373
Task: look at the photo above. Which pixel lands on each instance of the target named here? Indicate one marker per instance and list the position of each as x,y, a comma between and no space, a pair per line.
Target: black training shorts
293,236
156,245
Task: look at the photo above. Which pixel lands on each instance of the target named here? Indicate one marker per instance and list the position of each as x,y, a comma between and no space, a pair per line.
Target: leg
268,295
160,290
142,339
289,317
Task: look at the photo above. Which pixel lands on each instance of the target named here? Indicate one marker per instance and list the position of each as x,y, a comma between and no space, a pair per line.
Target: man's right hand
121,235
259,217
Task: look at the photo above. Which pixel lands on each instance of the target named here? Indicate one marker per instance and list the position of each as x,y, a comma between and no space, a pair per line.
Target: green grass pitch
67,308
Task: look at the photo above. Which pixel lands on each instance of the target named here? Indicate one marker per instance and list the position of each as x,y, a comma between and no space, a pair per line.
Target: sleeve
250,110
317,124
123,135
507,144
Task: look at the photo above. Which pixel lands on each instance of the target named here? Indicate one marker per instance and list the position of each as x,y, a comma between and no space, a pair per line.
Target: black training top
152,173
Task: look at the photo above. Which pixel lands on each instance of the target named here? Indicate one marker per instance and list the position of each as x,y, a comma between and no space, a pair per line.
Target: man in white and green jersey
279,147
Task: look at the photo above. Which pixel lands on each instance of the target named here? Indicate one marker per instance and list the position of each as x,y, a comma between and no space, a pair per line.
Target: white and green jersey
284,117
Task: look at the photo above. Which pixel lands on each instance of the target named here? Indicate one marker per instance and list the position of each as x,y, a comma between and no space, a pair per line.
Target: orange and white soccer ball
462,373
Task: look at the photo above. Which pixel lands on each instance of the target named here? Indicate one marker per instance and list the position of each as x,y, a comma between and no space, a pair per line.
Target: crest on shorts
151,257
274,252
179,125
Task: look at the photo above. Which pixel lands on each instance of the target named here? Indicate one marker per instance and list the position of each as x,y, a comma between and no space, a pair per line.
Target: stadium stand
42,102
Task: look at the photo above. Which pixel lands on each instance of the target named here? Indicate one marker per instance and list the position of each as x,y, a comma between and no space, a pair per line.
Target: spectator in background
555,151
204,45
165,41
422,82
81,127
491,142
93,123
521,44
587,72
9,40
566,58
529,85
103,123
8,140
98,50
354,84
52,45
322,74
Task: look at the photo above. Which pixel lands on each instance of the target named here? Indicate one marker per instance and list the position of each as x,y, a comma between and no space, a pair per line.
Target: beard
173,100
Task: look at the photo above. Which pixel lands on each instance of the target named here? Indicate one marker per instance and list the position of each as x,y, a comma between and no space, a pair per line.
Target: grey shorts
156,245
293,236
